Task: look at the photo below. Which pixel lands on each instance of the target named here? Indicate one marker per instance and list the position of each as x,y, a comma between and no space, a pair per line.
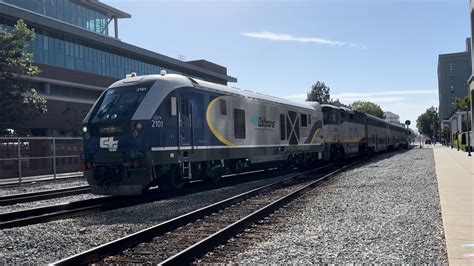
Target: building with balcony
78,50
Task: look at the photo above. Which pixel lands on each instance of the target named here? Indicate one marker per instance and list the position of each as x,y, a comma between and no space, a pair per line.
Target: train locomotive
165,130
350,133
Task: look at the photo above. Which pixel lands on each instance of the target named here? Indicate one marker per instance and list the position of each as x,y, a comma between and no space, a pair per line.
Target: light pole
468,134
451,131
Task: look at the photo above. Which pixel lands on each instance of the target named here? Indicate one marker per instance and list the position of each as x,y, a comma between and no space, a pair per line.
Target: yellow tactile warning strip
455,174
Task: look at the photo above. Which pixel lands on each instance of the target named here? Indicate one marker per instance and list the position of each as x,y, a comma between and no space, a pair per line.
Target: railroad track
76,208
55,212
183,239
42,195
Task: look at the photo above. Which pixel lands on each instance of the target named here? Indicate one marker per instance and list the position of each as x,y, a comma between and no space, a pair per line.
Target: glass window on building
67,52
451,66
69,11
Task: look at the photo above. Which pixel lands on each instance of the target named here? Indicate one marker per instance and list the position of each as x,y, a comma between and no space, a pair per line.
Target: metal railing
30,156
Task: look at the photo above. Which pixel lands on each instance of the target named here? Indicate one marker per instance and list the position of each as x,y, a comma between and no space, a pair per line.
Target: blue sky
385,51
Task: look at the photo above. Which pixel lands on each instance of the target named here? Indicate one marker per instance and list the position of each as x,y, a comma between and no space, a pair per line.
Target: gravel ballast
48,202
49,242
41,186
386,211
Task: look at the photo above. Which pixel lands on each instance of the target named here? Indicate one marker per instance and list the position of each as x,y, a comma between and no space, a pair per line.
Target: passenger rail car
168,129
349,133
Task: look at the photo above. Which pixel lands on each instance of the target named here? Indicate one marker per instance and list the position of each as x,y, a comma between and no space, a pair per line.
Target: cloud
274,36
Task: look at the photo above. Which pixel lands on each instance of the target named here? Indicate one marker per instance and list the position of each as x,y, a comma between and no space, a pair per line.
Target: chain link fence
31,156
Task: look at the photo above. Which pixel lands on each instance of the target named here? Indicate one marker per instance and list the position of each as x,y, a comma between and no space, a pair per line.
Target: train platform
455,175
14,181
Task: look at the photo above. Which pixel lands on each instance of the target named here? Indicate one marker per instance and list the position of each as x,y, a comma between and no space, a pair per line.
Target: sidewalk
455,174
39,178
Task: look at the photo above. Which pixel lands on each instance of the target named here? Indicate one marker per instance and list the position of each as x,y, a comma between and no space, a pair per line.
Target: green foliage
428,122
319,93
19,103
462,103
446,133
368,107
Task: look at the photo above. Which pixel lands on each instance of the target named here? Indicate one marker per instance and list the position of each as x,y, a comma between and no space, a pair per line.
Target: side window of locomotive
185,107
223,106
327,117
239,123
172,106
282,127
351,116
304,120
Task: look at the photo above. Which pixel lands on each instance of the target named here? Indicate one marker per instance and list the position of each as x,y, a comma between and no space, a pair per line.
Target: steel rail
188,255
50,213
42,195
118,245
75,208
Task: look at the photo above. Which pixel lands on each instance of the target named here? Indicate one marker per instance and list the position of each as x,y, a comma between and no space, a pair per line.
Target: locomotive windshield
119,103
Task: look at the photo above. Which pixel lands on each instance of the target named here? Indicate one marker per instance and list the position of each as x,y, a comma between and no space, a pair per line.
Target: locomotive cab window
223,105
239,123
173,105
184,107
304,120
119,104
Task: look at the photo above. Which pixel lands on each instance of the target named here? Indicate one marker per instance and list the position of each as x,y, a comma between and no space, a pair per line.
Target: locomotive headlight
84,129
139,126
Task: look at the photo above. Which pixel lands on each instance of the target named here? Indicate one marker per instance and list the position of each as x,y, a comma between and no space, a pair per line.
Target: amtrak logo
109,143
262,122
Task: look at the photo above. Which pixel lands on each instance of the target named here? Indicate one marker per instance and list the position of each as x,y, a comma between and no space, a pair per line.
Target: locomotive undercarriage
117,175
112,173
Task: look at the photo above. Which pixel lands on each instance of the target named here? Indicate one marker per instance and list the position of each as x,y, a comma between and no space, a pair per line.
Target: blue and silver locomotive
165,130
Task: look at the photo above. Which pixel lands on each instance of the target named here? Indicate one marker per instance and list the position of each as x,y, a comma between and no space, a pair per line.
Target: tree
368,107
428,122
319,93
462,103
19,102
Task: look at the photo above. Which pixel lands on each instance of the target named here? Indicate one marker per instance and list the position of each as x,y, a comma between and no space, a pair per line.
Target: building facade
454,71
79,59
391,118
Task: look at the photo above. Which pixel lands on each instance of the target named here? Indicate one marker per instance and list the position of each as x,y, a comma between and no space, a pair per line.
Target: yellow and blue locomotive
169,129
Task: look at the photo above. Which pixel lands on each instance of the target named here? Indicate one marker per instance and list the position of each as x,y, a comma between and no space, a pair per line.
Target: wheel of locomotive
172,181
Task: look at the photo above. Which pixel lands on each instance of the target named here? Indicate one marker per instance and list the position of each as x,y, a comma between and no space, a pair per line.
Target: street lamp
468,134
451,131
